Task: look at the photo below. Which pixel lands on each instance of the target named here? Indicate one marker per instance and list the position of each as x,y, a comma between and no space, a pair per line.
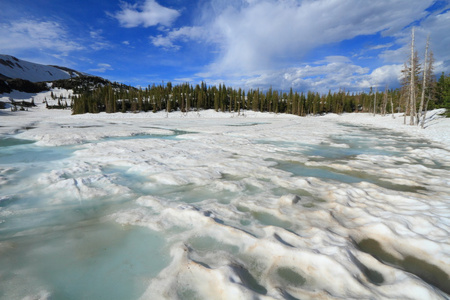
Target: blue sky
305,44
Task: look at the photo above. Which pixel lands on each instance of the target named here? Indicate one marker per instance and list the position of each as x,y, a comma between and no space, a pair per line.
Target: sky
309,45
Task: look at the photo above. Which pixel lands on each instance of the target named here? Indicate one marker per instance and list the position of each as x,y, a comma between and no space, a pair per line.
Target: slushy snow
251,205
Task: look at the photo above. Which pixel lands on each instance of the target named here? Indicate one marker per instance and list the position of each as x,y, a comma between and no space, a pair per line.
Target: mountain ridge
30,77
14,68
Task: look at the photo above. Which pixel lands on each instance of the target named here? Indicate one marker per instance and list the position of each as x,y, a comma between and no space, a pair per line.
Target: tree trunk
375,103
412,87
392,108
425,71
406,107
385,98
425,113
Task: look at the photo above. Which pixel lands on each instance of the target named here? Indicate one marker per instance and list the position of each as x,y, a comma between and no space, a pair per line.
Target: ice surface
219,206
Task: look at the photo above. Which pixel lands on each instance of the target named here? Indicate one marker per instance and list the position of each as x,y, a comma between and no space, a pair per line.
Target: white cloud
39,35
150,13
334,59
262,34
264,42
181,34
381,46
182,80
387,74
102,68
333,74
96,34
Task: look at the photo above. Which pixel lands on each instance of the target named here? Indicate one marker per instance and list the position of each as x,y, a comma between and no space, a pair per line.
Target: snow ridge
13,67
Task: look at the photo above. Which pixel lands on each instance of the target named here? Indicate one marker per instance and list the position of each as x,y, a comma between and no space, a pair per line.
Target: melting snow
246,206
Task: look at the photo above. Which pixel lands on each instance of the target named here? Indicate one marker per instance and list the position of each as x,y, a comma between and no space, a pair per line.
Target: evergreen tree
443,92
140,100
216,99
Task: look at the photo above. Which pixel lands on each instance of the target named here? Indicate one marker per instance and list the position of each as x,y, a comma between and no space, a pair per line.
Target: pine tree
443,91
239,101
140,100
216,99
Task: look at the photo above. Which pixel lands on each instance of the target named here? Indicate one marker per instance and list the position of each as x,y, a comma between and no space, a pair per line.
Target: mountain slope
12,67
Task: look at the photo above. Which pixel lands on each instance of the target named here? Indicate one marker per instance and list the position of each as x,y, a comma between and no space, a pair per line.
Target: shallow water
15,151
187,219
298,169
175,134
86,260
66,248
9,141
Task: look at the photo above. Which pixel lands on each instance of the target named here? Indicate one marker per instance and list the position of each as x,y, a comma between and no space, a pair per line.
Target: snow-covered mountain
12,67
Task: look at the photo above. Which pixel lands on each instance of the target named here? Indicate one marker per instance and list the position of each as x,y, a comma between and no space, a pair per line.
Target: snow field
240,218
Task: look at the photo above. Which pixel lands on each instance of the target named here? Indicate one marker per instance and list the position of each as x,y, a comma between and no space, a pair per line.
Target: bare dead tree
404,92
412,86
431,85
375,103
384,103
424,83
392,107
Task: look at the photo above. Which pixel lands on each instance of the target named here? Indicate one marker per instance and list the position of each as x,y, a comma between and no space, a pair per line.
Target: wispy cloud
150,13
102,68
435,26
182,34
97,41
381,46
32,34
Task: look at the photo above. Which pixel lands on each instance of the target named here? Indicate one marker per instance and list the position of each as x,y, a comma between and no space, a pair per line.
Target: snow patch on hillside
16,68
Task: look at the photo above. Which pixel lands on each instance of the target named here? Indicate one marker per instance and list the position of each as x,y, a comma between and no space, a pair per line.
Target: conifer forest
113,97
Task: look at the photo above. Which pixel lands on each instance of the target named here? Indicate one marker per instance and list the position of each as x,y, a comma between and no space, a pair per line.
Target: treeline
113,98
442,95
82,83
22,85
419,92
